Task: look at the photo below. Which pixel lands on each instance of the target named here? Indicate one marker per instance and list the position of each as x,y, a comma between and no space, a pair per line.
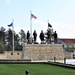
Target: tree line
6,40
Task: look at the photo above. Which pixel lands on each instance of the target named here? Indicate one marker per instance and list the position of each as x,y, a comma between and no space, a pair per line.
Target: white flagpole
47,22
13,34
31,26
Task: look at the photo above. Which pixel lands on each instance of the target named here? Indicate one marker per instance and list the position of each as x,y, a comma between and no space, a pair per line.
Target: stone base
43,51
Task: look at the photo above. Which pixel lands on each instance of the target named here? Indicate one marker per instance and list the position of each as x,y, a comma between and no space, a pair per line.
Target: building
68,45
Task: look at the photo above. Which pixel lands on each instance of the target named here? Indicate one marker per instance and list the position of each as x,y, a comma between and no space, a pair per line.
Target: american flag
33,16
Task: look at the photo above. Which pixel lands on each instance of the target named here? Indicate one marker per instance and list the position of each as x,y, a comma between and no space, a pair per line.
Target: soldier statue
35,35
41,36
48,36
28,37
55,37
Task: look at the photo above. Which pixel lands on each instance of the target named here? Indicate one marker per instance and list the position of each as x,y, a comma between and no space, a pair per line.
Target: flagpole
31,25
13,34
48,22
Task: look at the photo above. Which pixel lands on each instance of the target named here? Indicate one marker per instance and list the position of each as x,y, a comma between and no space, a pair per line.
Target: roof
72,41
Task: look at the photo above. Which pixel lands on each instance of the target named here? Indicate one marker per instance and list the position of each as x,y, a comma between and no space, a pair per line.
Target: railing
14,60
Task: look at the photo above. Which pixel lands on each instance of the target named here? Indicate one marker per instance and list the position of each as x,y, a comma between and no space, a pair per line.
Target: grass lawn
34,69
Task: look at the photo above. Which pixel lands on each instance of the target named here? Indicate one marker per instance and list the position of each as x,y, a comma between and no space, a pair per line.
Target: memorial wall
43,51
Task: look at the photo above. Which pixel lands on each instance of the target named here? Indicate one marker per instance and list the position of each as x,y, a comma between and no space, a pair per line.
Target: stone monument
43,51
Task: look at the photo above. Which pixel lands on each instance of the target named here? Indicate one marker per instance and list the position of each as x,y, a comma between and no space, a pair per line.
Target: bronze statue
28,36
55,37
41,36
34,35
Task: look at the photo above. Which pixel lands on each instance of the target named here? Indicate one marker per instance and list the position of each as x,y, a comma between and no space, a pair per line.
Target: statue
55,37
41,36
28,37
35,35
48,36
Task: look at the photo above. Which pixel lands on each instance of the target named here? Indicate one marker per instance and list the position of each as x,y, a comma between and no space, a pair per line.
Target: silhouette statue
28,36
55,37
48,36
34,35
41,36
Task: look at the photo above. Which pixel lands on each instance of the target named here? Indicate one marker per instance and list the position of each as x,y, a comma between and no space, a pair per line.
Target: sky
59,13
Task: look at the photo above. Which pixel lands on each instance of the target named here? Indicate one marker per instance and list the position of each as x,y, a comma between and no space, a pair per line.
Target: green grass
34,69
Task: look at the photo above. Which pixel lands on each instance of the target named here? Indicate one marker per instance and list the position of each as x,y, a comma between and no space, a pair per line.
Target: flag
33,16
10,24
49,25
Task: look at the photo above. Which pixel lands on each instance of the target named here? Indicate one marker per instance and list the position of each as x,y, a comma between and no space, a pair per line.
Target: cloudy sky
59,13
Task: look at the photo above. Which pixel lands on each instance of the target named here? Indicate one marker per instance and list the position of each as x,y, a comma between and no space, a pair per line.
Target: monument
46,50
43,51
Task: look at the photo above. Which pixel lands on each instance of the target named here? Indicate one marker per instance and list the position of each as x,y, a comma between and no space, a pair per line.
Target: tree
6,39
2,39
16,38
9,37
10,41
23,36
2,47
2,34
16,42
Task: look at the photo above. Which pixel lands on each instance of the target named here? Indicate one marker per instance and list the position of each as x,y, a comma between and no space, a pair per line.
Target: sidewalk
68,61
61,61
